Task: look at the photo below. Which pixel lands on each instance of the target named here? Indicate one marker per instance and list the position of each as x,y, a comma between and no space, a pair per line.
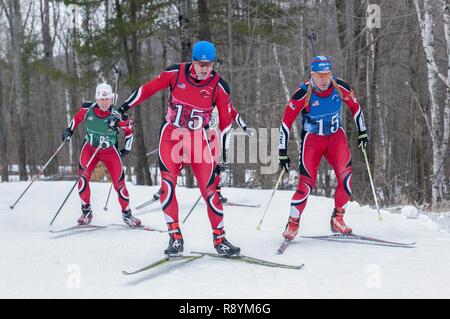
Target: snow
88,264
409,212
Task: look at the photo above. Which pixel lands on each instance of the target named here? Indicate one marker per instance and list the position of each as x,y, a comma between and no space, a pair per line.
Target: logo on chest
90,118
205,94
336,98
315,103
182,85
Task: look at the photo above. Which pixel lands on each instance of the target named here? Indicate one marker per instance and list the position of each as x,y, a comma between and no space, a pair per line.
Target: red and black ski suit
183,137
322,135
110,156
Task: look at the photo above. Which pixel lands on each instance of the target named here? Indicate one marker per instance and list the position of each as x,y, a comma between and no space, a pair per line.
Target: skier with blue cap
319,100
195,90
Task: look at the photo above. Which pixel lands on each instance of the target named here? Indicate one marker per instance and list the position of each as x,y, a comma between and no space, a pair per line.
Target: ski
250,260
227,203
240,205
354,238
161,262
141,227
91,227
283,246
149,202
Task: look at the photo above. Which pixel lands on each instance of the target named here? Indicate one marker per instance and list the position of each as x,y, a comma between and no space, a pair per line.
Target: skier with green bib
98,133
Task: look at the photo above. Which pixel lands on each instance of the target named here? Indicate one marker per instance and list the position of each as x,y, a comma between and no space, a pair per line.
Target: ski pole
38,174
270,199
371,184
117,74
71,190
196,202
107,198
192,209
152,152
154,199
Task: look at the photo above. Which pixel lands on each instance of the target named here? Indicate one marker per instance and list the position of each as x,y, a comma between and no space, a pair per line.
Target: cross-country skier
195,89
319,100
96,117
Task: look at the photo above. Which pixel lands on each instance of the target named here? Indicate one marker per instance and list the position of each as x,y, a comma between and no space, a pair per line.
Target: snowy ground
37,264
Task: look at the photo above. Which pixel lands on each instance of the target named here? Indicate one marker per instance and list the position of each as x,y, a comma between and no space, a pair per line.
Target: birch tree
439,135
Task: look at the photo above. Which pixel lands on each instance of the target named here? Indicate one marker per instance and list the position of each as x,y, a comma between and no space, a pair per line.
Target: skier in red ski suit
195,89
96,117
319,100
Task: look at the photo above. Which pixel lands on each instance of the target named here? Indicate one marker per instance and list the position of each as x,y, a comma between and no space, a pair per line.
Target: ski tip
126,273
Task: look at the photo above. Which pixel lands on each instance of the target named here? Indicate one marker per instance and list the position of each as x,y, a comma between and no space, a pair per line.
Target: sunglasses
323,75
204,64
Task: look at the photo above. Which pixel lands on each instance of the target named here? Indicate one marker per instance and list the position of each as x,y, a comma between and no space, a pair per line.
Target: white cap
104,91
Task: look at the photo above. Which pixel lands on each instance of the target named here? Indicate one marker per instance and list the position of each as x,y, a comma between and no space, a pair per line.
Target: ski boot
222,245
221,198
291,228
337,223
176,241
129,219
86,216
156,195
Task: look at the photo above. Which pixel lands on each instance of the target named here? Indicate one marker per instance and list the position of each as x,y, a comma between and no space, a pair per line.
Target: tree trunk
427,25
203,20
287,93
17,47
186,45
48,90
143,176
72,66
3,132
141,171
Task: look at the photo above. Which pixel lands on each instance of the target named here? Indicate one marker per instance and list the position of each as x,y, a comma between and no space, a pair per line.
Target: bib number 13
195,119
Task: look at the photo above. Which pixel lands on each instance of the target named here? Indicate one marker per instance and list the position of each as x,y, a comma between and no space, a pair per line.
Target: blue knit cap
203,51
321,64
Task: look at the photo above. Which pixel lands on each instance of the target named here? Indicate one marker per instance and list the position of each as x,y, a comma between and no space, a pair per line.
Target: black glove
67,134
116,116
284,160
221,167
363,140
123,153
